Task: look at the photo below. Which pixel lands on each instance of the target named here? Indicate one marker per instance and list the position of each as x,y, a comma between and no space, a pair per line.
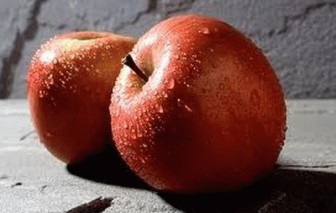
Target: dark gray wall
298,36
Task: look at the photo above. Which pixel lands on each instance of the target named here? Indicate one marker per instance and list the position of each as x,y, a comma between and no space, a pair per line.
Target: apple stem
128,61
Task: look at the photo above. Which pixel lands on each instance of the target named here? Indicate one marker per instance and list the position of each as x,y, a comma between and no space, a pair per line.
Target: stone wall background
299,37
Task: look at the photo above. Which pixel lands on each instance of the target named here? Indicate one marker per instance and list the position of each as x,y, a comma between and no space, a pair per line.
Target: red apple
70,81
197,108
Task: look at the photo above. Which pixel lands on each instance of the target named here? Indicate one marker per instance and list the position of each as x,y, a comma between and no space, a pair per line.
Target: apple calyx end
128,61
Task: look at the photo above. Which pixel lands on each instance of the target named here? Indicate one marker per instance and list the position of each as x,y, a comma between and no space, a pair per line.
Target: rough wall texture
299,37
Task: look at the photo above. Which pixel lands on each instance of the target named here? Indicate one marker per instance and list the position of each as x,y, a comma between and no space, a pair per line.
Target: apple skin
69,85
211,116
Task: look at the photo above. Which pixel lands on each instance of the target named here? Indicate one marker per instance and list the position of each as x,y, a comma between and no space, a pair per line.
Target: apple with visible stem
69,85
197,107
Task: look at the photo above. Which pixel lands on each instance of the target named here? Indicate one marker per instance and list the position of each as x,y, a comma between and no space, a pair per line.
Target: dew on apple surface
139,134
142,160
144,110
47,56
170,84
50,79
134,136
160,109
41,94
179,102
188,108
187,85
204,31
55,61
125,126
49,134
165,95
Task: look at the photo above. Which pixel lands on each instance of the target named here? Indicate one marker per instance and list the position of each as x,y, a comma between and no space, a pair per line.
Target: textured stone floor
31,180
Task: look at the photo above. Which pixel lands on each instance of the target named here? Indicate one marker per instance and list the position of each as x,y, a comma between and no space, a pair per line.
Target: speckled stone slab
31,180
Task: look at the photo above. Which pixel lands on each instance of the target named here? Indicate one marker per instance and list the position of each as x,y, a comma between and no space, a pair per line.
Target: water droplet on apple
51,80
165,95
177,56
204,31
125,126
211,50
179,102
187,85
49,135
171,84
160,109
142,160
188,108
133,133
41,94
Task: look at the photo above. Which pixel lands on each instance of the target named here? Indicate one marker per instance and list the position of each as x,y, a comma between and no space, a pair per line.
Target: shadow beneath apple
285,190
107,167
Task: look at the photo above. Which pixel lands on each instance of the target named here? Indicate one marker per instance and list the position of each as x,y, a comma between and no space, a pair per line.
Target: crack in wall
152,6
10,62
288,20
172,8
164,9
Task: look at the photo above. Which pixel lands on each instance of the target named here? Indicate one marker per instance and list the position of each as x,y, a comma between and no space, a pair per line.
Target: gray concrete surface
31,180
299,37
